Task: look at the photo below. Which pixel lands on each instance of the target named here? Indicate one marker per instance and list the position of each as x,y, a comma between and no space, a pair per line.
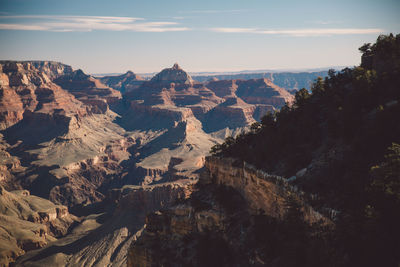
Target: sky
209,35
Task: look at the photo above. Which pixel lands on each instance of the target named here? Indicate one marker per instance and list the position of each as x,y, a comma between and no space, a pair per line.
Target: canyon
103,153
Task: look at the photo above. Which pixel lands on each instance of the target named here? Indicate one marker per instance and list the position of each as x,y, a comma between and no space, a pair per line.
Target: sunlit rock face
24,88
172,75
28,222
89,90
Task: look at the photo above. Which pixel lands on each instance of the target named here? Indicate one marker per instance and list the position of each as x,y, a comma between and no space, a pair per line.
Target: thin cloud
22,27
300,32
326,22
74,18
86,23
214,11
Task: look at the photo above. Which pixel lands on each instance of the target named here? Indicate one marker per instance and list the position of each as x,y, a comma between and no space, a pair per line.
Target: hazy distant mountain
288,80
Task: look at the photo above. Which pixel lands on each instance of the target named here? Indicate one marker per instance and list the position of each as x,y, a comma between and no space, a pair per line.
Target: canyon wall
229,196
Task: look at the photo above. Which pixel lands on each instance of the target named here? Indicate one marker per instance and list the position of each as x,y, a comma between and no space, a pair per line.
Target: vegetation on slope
346,133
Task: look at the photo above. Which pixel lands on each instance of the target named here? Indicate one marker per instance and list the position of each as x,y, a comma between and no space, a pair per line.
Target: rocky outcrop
224,209
88,90
25,88
260,190
263,91
28,222
261,110
233,113
224,88
52,69
8,165
172,75
123,83
166,230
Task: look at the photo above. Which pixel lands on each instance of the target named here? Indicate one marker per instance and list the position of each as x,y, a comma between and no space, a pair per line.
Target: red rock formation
88,90
25,88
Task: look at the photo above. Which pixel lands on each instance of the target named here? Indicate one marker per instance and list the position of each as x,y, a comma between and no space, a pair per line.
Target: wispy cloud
85,23
300,32
214,11
4,26
325,22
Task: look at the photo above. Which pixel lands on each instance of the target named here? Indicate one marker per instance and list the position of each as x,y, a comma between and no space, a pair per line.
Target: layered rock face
53,144
26,89
28,222
228,198
89,90
246,101
164,105
52,69
260,190
191,117
232,113
123,83
263,91
104,240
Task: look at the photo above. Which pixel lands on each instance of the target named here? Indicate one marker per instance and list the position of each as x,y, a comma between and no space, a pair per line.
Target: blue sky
148,35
